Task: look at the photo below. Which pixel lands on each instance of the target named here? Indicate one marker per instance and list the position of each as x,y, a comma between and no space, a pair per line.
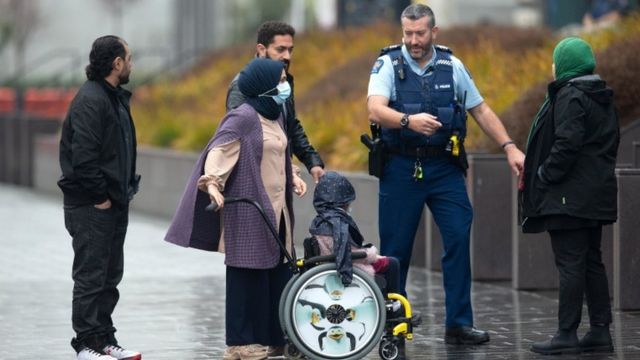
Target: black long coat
570,162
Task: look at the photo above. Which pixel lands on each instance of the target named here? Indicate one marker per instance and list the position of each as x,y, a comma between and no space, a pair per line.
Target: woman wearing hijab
570,191
247,157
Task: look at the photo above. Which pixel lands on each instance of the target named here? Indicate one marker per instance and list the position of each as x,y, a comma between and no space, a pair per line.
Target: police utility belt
379,152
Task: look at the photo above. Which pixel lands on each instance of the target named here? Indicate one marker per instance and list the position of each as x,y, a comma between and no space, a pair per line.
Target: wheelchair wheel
388,349
326,320
283,298
291,352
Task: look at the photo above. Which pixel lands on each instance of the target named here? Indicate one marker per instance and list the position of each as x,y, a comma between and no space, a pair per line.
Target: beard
124,78
284,61
423,52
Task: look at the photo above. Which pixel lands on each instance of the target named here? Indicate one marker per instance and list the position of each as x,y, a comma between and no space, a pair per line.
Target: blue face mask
284,91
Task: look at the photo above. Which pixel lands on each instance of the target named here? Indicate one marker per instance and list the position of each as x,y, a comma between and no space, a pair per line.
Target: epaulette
389,48
443,48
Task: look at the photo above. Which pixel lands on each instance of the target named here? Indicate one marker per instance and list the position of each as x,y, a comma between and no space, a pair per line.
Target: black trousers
252,301
582,273
98,263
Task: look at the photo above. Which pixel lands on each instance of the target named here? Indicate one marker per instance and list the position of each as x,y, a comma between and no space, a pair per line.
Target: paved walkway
172,299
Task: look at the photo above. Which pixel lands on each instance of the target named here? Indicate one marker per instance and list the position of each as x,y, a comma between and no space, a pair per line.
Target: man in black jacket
275,41
98,161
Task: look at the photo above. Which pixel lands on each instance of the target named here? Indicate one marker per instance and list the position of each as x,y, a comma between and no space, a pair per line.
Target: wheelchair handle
230,200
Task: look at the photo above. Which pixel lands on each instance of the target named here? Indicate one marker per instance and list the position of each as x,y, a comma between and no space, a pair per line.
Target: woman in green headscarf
569,190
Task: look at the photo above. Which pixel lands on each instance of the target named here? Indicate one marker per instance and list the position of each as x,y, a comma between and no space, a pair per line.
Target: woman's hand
215,195
299,186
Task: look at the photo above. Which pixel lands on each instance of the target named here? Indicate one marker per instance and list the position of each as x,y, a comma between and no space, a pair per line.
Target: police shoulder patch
389,48
377,66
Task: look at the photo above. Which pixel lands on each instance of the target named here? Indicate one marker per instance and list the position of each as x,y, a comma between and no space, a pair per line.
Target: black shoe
416,318
563,342
598,339
465,335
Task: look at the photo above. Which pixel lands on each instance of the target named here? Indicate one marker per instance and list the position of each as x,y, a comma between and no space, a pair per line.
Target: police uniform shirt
382,78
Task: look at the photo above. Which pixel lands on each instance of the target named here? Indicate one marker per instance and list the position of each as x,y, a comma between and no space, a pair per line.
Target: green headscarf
572,57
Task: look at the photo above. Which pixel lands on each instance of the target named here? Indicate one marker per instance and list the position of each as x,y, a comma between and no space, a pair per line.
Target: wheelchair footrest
416,319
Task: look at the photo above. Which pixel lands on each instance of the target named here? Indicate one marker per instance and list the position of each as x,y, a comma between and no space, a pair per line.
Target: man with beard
419,94
98,161
275,41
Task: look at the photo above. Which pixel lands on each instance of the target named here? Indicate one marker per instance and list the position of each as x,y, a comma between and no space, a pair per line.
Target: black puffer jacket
93,149
298,141
570,162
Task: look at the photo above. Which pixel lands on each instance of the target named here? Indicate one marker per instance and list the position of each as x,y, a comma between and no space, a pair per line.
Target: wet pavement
172,299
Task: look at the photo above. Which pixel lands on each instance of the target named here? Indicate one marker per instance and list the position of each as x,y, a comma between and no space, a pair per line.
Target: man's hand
299,186
215,195
424,123
316,172
515,158
103,206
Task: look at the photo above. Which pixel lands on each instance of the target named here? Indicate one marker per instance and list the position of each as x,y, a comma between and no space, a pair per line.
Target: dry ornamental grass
510,66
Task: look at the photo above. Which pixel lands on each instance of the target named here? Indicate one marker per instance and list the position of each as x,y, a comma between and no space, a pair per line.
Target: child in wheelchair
335,232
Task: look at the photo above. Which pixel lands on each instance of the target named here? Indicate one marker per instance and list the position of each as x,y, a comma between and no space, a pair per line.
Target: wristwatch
404,122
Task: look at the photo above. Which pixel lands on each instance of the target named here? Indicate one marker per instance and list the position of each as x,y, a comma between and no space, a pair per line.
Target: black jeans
579,261
98,240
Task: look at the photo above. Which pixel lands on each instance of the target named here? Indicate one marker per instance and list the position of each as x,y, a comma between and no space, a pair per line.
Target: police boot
597,339
563,342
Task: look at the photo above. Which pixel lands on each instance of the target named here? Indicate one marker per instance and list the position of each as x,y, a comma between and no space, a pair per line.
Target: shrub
510,66
616,63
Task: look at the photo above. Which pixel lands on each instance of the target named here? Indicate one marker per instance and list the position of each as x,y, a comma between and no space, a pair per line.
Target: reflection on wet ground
172,299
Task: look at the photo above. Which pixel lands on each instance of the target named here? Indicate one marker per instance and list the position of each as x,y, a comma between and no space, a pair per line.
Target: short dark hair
269,29
104,50
418,11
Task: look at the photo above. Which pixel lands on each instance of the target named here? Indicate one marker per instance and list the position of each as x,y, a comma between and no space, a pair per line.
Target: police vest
432,93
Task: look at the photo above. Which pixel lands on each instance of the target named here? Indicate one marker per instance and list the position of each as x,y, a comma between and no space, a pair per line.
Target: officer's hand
515,158
424,123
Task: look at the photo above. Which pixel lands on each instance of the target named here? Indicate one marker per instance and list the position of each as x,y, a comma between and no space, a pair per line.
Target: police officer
419,93
275,41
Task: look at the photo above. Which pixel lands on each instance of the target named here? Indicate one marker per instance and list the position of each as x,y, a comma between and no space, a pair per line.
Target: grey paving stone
172,299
